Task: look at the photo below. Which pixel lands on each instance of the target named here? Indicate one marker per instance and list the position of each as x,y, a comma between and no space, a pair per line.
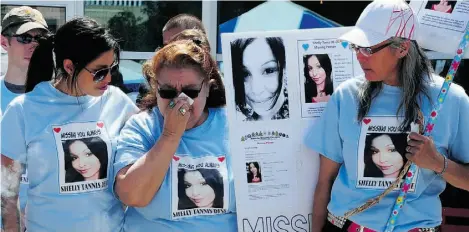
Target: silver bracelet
444,167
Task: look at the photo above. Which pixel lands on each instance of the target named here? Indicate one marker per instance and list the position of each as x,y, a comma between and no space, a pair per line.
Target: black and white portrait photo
259,78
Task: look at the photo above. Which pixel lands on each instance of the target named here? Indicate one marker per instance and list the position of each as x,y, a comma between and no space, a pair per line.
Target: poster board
265,75
442,21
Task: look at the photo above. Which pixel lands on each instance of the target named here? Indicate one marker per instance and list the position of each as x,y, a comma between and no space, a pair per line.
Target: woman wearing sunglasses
69,100
178,134
398,91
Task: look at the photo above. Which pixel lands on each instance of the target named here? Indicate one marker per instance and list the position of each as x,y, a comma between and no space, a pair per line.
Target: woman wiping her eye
173,166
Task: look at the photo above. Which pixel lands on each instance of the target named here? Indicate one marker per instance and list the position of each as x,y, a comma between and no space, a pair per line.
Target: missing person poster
324,64
277,83
268,166
83,151
199,186
381,152
444,21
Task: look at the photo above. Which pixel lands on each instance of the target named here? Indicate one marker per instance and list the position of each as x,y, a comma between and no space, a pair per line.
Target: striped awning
273,16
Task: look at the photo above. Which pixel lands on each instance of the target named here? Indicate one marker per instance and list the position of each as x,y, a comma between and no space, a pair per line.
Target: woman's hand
422,151
176,116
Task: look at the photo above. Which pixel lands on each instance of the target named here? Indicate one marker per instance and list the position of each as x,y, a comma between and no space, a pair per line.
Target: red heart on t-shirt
221,159
366,121
176,158
57,130
100,124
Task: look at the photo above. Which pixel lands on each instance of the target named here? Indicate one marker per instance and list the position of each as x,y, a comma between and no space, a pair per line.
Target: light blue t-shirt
7,97
372,152
197,193
68,143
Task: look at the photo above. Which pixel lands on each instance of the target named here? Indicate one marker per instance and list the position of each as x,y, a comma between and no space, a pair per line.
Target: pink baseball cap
381,20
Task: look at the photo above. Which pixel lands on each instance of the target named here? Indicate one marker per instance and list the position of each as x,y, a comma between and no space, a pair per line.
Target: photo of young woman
444,6
201,188
318,80
85,159
259,79
384,155
254,172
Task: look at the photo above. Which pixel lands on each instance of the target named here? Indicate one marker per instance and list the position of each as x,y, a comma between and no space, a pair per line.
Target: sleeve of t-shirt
132,144
130,108
13,133
323,134
459,149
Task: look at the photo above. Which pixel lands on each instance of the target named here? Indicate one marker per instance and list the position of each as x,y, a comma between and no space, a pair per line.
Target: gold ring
182,111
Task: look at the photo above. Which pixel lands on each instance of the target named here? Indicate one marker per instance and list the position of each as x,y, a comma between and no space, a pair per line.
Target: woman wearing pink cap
395,97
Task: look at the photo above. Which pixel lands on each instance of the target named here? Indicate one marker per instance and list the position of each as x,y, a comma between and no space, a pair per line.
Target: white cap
381,20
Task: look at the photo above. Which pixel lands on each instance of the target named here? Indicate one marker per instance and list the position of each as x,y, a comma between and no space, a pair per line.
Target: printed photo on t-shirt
381,152
83,151
199,186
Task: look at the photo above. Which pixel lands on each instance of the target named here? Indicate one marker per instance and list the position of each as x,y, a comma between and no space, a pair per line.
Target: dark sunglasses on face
102,73
27,38
171,93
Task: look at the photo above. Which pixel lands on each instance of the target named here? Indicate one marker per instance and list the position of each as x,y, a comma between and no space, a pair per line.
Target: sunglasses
27,38
171,93
368,51
99,75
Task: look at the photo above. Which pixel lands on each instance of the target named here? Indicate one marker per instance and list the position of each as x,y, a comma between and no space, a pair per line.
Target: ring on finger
171,104
182,111
408,149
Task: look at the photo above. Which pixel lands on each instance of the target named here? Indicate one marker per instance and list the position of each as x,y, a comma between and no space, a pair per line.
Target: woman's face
253,168
198,190
85,80
385,156
180,80
84,161
261,73
316,71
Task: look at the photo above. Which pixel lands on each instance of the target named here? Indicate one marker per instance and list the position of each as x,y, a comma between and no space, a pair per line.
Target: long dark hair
237,53
212,177
310,86
251,175
97,146
81,40
400,143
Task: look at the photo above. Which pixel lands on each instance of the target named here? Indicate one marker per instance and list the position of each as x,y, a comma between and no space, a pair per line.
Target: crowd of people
78,154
